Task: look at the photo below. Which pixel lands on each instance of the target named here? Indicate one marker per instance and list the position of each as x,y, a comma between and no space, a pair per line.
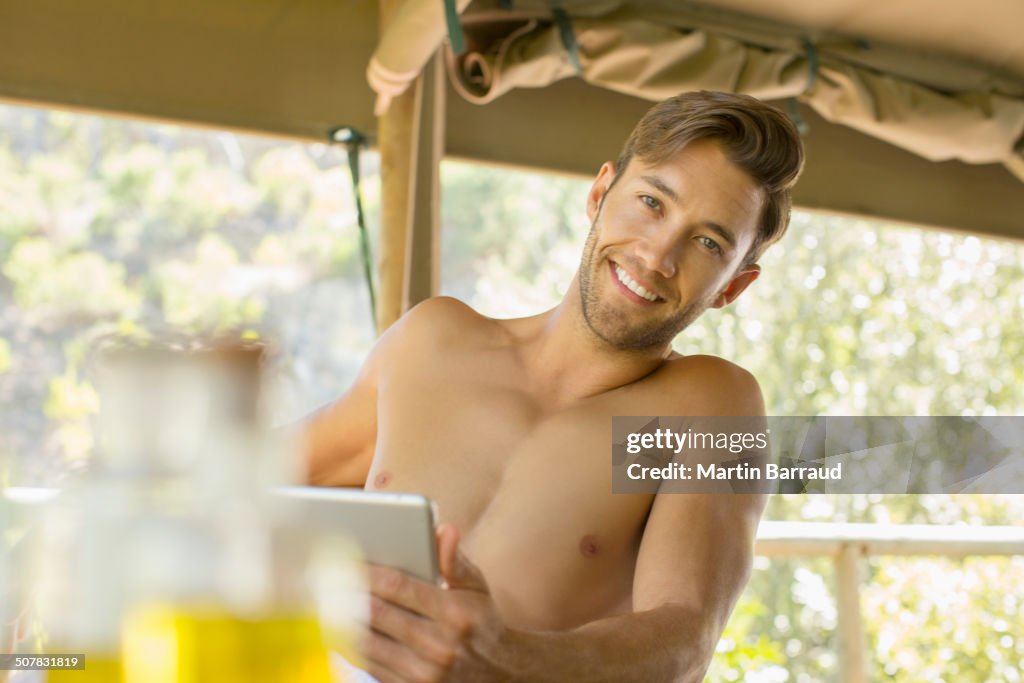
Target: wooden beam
817,539
397,133
423,257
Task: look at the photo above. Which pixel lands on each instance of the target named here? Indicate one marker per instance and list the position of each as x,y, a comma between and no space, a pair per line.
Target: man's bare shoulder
447,314
704,367
442,321
723,387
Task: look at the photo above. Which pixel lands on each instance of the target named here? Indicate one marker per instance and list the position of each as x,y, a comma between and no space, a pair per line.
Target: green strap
568,36
455,37
812,64
798,120
353,141
812,77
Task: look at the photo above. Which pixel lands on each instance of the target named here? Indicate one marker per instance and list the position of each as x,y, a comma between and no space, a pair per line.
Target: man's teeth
632,285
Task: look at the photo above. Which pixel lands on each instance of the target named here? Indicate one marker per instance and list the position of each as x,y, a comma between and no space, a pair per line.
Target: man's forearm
670,643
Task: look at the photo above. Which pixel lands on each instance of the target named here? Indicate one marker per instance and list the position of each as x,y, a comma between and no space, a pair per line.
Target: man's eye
650,201
711,244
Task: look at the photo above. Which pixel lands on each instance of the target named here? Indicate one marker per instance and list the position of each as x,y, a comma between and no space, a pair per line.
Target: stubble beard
618,332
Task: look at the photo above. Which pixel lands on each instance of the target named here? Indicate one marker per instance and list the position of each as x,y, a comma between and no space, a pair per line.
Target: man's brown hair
758,138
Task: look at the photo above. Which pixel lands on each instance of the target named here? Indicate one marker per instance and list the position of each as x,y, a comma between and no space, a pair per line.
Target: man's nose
658,255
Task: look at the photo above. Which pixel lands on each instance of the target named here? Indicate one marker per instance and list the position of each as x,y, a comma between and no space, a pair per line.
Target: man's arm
341,438
695,559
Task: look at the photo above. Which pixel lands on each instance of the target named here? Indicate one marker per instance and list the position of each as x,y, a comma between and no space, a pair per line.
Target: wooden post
411,143
423,255
395,138
852,650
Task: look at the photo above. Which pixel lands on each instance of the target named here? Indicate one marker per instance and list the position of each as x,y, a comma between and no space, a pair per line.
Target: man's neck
565,360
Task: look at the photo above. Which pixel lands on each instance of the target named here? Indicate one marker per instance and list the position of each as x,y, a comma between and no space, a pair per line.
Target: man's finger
388,659
420,635
381,673
403,590
456,568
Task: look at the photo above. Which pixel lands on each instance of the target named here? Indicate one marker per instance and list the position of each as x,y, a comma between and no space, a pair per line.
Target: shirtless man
506,425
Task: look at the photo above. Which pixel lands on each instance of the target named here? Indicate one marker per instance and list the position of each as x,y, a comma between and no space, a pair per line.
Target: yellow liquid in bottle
100,667
207,645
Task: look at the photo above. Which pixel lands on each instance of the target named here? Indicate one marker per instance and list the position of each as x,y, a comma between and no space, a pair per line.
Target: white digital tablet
392,529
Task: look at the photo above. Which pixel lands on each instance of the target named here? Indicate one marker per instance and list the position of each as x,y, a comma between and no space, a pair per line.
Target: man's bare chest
469,438
451,435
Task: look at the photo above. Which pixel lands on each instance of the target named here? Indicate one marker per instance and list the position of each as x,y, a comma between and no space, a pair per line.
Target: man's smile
632,288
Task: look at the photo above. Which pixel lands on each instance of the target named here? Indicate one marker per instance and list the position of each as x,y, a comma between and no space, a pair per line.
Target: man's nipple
589,547
382,480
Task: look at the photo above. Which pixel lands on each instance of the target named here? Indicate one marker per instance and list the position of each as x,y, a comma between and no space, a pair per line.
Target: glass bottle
219,586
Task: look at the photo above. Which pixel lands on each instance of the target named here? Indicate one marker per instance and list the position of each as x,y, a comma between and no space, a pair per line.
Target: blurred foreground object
170,561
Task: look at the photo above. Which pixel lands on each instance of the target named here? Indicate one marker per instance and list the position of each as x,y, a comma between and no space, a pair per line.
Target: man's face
666,242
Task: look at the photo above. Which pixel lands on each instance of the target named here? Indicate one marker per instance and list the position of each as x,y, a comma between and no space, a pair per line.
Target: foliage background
119,227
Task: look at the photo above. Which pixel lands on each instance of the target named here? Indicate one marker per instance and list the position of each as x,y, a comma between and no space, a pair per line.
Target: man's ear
736,286
602,182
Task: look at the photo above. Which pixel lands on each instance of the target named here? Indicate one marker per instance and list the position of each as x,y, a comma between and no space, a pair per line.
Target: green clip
455,36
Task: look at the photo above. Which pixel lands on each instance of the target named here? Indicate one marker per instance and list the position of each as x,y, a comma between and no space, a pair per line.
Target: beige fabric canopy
939,108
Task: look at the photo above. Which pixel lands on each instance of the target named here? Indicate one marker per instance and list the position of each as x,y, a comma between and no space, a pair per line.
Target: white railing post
852,650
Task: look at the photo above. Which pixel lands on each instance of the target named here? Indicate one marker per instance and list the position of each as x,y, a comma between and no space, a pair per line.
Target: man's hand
420,632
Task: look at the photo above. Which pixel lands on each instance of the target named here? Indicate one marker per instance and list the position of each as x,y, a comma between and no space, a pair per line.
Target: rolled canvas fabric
654,61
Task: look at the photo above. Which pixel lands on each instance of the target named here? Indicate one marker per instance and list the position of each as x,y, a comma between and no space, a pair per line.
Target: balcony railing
849,544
